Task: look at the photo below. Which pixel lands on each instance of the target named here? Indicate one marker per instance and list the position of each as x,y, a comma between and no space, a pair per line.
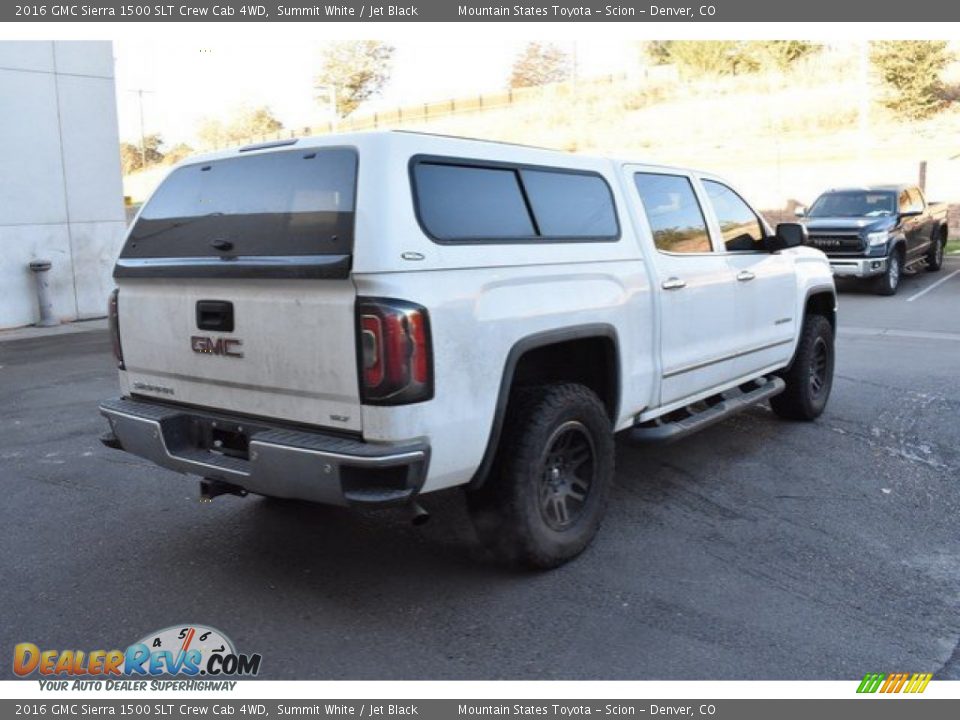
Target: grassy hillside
782,137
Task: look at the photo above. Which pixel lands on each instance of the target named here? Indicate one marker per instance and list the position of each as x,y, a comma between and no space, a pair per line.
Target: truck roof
886,187
416,142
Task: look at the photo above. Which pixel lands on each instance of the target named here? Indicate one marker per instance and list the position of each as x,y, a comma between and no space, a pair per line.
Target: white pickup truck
363,319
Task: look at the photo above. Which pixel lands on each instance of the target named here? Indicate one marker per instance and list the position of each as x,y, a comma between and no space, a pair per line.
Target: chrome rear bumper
264,459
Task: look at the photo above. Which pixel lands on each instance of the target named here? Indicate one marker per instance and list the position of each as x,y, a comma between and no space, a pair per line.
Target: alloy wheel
819,362
568,465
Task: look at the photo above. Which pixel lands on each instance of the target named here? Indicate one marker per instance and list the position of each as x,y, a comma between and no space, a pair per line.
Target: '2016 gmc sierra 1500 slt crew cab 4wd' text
877,232
363,319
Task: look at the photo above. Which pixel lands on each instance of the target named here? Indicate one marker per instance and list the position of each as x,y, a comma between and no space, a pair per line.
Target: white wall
61,195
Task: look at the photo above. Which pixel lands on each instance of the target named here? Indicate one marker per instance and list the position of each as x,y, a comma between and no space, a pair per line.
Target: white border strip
329,691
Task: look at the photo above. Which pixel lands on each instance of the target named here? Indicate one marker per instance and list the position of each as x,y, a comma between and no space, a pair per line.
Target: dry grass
780,136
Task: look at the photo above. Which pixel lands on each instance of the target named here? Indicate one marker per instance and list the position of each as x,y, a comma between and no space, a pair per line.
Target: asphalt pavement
756,549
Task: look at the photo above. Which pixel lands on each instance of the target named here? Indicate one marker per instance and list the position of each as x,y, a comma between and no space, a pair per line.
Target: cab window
740,227
915,200
904,201
673,212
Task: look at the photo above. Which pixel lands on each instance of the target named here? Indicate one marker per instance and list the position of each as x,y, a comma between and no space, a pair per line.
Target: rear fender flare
522,346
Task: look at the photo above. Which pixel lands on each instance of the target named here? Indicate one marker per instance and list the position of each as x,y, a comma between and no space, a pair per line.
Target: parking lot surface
756,549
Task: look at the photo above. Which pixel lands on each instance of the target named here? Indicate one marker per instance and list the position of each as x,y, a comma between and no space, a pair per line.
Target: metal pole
143,134
327,94
863,111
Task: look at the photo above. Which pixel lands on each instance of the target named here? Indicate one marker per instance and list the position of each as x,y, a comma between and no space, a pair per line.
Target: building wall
61,194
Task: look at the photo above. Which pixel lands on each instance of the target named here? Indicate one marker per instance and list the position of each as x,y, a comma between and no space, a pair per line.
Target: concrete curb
29,333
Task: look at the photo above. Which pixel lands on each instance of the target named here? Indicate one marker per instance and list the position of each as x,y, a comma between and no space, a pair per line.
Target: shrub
910,69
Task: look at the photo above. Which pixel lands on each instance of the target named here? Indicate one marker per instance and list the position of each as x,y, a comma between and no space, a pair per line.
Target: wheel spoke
578,458
561,509
561,444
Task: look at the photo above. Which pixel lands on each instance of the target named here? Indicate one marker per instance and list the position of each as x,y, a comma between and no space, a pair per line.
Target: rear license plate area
218,436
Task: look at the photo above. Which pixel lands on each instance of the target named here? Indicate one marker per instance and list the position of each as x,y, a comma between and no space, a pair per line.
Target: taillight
113,317
396,365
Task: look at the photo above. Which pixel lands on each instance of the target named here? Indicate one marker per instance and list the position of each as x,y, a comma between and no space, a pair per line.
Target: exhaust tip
418,515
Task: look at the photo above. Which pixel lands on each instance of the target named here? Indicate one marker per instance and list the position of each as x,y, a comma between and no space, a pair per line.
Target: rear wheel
888,283
935,255
810,376
548,491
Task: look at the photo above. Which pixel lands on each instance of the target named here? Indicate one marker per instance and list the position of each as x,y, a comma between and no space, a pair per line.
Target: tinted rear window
471,202
570,204
293,202
466,202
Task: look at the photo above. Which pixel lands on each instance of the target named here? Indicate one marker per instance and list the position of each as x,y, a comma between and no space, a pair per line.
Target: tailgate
291,354
235,290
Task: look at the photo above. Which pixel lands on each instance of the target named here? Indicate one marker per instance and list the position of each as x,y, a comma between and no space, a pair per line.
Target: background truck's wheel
888,283
810,375
935,255
543,502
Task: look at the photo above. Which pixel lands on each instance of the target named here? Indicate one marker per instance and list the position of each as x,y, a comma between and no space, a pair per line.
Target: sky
186,82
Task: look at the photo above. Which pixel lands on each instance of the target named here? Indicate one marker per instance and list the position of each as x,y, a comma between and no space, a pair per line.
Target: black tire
547,493
888,283
935,254
810,376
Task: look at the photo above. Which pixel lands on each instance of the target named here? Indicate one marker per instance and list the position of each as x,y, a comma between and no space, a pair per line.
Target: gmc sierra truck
877,232
364,319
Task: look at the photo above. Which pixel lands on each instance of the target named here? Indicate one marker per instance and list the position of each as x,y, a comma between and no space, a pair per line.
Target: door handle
673,283
745,276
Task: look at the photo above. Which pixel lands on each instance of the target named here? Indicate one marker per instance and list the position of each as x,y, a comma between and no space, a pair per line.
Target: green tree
910,70
659,51
253,123
707,57
177,153
729,57
245,124
780,54
356,70
212,133
133,155
130,158
153,145
540,64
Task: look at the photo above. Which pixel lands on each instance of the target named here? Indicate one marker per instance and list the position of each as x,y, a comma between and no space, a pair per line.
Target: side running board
680,423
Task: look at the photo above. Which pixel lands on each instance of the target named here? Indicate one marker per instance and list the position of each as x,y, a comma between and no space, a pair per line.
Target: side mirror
788,235
800,211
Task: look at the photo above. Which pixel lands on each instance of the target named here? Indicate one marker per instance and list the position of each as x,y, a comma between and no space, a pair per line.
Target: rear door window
673,212
290,202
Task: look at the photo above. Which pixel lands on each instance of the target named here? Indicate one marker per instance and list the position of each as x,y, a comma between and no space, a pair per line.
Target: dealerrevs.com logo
888,683
180,650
